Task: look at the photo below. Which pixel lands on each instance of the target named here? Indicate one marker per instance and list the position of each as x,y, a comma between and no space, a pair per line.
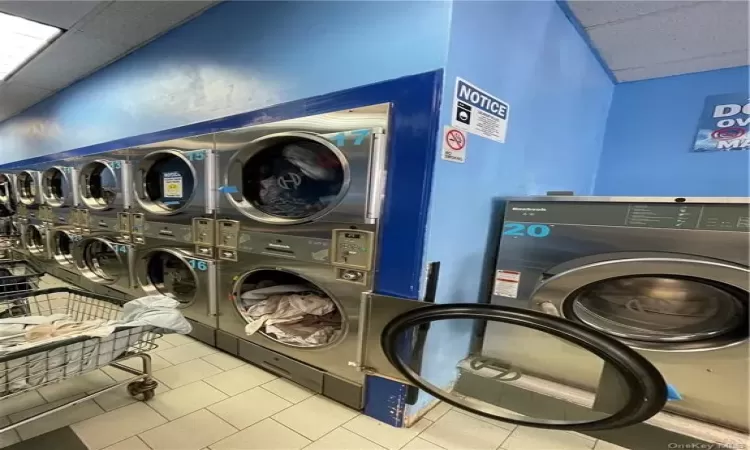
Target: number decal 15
536,230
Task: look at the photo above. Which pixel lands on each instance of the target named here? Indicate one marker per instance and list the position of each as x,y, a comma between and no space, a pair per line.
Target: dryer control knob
549,308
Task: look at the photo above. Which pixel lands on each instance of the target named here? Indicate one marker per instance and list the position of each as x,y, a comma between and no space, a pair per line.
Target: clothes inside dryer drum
100,185
172,276
293,180
660,309
102,260
294,314
169,182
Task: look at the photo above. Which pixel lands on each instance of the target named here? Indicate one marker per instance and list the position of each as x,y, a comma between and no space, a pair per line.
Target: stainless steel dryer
318,350
8,198
174,269
59,186
34,238
173,183
29,190
63,240
103,182
668,277
305,176
105,261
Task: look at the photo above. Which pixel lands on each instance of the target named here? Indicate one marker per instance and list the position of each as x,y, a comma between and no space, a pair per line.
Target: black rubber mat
60,439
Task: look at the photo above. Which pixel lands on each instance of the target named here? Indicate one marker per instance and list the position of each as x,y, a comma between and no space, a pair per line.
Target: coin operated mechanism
137,227
227,239
352,255
204,236
82,220
124,227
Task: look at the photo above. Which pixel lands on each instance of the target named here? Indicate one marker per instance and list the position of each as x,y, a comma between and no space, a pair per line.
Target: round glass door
168,182
531,368
6,192
172,276
101,261
35,240
303,314
54,186
63,248
27,189
98,185
288,178
661,309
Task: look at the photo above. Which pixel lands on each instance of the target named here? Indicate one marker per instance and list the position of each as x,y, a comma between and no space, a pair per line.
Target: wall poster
724,124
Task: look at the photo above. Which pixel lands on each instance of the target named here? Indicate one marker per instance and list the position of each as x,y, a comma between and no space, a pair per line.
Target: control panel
352,254
203,236
227,239
73,217
137,227
22,211
45,214
84,219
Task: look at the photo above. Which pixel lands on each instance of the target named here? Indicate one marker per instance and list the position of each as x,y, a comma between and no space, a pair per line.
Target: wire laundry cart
63,358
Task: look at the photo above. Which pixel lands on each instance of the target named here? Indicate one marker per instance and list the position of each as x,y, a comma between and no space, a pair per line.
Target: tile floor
210,400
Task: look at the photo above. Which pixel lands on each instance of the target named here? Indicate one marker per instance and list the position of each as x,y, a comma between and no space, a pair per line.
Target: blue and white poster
724,124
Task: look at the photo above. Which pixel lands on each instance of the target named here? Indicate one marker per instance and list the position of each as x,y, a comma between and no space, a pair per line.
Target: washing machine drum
54,185
172,276
660,309
100,257
99,184
27,189
169,182
293,180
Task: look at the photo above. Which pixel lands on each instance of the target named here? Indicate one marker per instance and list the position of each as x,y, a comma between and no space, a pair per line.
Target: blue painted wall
650,132
236,57
559,96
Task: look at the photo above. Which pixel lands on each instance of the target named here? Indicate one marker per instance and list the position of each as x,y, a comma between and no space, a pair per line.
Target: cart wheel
142,390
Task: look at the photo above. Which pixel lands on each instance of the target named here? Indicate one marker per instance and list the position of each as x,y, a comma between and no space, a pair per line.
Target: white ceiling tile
713,62
597,12
62,14
16,97
708,28
135,22
73,56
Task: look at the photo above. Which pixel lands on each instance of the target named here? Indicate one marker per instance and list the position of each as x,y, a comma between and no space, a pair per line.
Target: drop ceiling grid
648,39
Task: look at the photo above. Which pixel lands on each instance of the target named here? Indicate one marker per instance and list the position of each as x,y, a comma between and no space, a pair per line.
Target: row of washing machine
265,234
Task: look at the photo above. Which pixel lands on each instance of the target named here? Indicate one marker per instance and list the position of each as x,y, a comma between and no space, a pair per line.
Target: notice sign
724,124
478,112
454,145
506,283
172,185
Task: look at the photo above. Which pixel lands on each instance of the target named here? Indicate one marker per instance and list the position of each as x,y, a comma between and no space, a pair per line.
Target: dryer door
27,187
99,185
296,177
661,302
167,182
63,243
396,333
177,274
8,192
103,260
35,240
59,186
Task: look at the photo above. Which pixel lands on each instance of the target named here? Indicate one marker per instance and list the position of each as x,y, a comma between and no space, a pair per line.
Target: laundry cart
54,351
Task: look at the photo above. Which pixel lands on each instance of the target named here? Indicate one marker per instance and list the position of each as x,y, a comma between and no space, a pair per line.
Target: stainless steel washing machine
318,350
173,183
105,261
103,182
667,276
305,176
174,269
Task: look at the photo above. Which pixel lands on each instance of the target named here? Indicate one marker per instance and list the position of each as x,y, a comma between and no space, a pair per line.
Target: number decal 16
197,264
536,230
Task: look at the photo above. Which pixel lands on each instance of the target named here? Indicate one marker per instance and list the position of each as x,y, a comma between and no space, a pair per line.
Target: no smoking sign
454,145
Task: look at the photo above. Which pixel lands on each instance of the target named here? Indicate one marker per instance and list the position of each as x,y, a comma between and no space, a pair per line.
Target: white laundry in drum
292,314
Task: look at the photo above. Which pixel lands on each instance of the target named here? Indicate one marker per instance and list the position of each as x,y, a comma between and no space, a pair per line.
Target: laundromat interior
417,225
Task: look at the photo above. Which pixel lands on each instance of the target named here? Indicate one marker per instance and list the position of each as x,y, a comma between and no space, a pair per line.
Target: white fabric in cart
289,312
65,361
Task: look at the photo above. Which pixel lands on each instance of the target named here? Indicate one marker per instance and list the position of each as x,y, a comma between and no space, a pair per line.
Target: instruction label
479,112
506,283
454,145
172,185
